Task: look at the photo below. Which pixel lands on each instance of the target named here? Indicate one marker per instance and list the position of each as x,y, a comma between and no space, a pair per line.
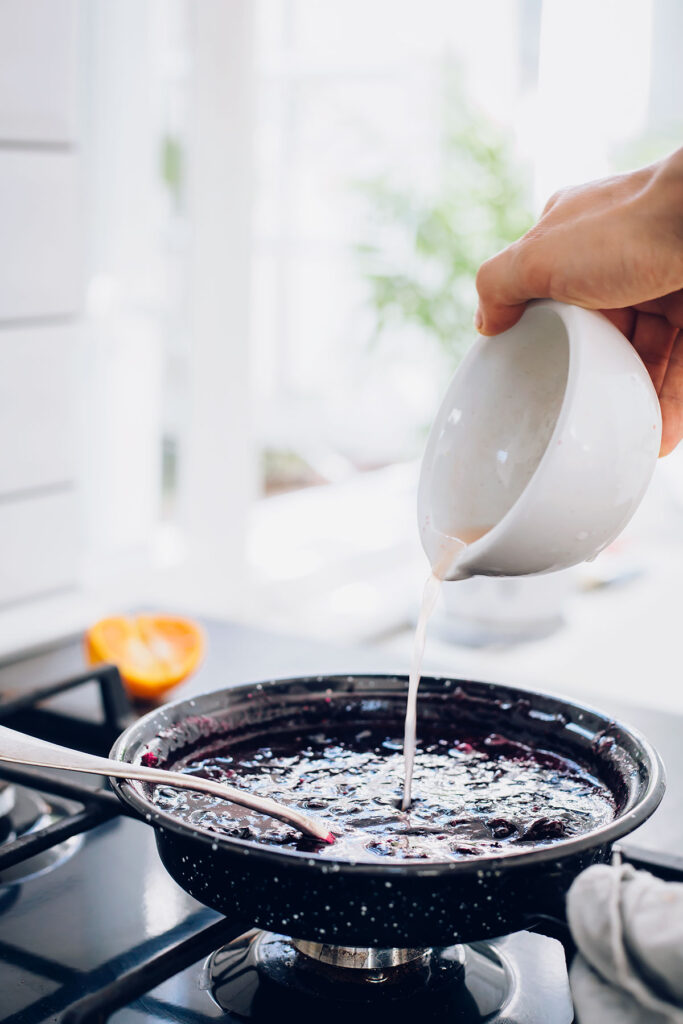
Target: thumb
494,319
504,288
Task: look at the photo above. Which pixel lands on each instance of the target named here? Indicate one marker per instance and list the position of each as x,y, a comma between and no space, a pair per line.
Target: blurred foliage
172,167
285,470
426,248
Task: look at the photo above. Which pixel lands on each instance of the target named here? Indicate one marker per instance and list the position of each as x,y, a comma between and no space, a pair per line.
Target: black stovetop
105,934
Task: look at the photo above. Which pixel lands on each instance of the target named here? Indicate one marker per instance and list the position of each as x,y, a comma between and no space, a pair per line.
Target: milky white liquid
454,549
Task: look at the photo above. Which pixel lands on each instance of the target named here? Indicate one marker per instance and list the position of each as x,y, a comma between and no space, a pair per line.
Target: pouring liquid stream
454,548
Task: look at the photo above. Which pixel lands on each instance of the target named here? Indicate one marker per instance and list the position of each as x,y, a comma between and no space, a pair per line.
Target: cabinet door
40,241
38,406
38,70
39,539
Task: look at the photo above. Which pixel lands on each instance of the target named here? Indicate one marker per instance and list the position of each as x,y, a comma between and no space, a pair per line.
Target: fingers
653,339
624,319
660,346
494,319
669,306
505,284
672,307
671,398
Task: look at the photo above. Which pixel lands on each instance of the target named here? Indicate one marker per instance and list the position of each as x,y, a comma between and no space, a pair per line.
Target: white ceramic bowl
547,439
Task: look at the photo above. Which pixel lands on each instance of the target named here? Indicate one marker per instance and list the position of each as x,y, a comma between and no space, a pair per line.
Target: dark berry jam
471,797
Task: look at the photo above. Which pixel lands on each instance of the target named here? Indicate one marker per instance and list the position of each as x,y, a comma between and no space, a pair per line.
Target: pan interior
356,723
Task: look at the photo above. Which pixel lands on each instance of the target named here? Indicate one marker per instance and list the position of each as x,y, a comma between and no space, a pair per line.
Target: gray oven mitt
628,928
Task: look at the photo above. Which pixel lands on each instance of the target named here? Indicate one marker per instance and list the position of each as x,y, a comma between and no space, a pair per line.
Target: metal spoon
19,748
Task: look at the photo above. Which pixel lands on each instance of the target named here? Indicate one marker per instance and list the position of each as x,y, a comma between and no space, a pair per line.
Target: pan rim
485,864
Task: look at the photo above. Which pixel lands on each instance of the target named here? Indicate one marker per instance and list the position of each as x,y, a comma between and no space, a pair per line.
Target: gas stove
92,928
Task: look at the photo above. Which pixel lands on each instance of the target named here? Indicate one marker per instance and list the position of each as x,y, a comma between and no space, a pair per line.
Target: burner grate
166,958
98,804
26,713
97,1007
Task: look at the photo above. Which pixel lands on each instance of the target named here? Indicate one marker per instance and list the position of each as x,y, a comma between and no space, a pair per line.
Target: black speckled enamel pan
388,903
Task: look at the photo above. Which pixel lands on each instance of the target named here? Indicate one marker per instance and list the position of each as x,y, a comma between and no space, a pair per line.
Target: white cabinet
41,235
41,297
38,70
38,406
39,538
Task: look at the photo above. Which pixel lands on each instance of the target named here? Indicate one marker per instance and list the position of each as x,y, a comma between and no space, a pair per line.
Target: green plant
425,250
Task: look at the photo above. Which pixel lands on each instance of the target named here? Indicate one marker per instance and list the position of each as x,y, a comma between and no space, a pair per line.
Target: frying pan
390,903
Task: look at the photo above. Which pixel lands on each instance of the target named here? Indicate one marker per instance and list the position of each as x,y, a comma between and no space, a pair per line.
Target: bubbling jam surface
480,796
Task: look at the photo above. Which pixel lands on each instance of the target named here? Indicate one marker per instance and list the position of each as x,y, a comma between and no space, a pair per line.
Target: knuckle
560,286
555,198
530,268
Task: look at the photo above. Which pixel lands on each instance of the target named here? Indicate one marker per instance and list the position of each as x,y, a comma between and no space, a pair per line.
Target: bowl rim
607,834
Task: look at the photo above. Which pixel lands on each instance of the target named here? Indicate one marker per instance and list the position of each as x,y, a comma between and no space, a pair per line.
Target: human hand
614,245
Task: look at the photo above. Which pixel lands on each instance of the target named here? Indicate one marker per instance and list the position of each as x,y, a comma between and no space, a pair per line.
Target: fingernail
478,319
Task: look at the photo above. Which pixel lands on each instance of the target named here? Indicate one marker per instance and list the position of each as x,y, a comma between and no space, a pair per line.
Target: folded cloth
597,1002
628,928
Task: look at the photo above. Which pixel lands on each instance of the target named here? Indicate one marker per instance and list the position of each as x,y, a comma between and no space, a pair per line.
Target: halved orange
152,652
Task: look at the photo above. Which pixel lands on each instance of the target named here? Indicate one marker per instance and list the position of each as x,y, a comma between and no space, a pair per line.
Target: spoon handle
19,748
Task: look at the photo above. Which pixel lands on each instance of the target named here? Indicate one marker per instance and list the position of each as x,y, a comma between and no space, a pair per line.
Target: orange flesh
152,652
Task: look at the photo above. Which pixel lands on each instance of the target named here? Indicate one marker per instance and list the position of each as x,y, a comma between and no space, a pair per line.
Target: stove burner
359,958
28,812
519,979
